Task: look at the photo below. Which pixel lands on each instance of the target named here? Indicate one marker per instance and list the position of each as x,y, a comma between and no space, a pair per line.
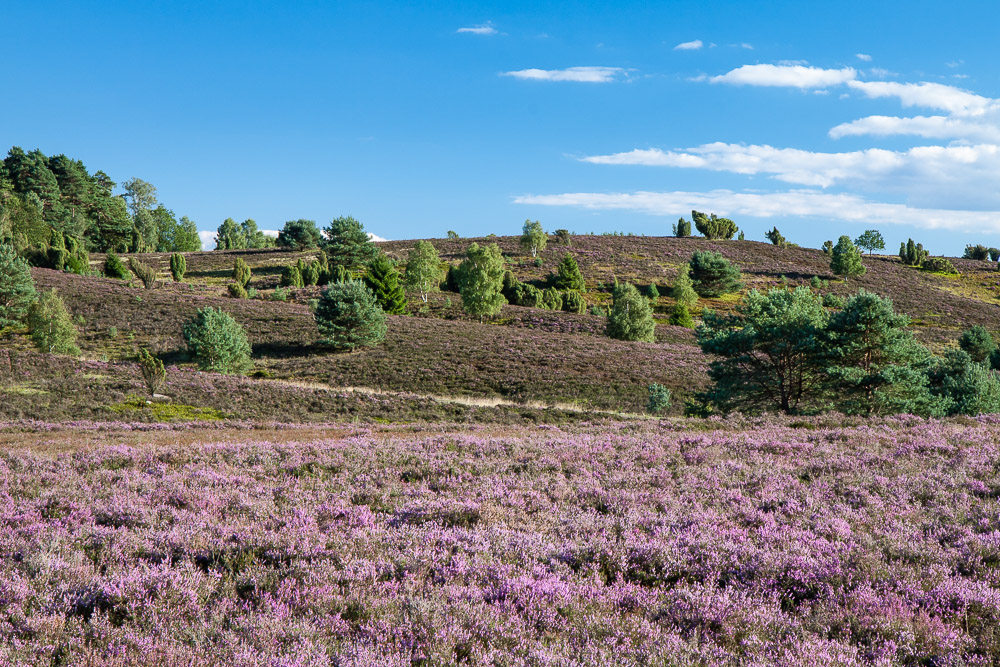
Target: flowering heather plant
762,543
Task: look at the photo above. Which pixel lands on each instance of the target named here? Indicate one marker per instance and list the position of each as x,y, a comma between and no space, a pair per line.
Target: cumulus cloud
207,240
863,56
792,76
580,74
484,29
689,46
794,203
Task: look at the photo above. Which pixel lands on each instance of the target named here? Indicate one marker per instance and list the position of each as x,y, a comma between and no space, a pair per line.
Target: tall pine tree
382,279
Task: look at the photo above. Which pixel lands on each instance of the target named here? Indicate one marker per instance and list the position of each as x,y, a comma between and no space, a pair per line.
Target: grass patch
167,411
21,390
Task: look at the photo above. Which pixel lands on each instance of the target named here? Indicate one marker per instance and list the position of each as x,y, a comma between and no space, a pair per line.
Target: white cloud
372,237
930,95
745,45
795,203
793,76
207,240
870,168
930,127
863,56
484,29
689,46
581,74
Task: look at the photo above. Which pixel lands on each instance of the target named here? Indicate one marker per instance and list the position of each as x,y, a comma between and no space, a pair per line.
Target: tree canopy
533,237
347,244
423,269
713,227
480,280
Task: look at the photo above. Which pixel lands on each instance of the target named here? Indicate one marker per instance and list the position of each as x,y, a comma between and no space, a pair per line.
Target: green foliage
652,293
450,283
712,275
978,343
845,260
938,265
965,386
994,254
383,280
174,236
348,316
977,251
279,294
312,273
631,317
237,291
817,283
912,254
229,236
217,342
871,241
291,276
827,247
567,275
453,235
552,299
831,300
659,399
683,289
712,227
533,237
423,269
17,288
299,235
178,267
741,236
241,272
775,237
768,352
527,296
680,316
144,272
347,244
152,371
682,228
563,236
480,281
573,302
873,363
51,326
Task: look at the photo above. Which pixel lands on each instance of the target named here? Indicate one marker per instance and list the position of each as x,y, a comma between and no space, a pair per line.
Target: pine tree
683,290
631,317
152,371
977,342
480,281
423,269
347,244
114,267
712,275
382,279
291,276
680,316
568,276
874,364
712,227
682,228
348,316
51,326
845,260
17,289
775,237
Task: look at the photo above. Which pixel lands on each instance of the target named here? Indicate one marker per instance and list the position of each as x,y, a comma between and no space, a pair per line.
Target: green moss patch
167,411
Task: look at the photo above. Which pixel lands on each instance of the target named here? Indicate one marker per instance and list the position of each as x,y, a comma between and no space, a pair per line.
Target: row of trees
781,350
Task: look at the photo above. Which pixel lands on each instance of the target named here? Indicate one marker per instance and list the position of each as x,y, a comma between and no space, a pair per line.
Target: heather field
823,541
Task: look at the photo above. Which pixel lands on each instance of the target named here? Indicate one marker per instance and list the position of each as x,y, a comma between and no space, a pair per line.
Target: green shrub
552,299
311,274
631,317
938,265
217,342
712,227
178,267
977,251
659,399
845,260
680,316
712,275
563,236
977,342
51,326
912,254
291,277
279,294
775,237
299,235
17,288
480,280
152,371
144,272
348,316
827,247
682,228
652,293
114,267
567,275
597,311
683,289
831,300
384,281
237,291
241,273
573,302
994,254
528,296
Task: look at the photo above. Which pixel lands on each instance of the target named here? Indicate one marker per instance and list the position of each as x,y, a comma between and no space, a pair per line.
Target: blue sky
821,118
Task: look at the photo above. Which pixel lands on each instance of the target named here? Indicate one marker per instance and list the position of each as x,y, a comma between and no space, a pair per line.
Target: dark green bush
217,342
348,316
